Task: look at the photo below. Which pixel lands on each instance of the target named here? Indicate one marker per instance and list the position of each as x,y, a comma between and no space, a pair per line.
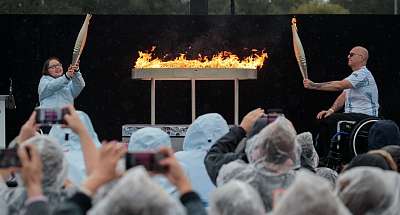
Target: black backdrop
112,99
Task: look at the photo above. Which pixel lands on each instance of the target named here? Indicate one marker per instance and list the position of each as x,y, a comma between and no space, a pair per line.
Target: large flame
223,59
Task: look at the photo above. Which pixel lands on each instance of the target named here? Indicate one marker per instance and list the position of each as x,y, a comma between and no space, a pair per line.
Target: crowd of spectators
257,167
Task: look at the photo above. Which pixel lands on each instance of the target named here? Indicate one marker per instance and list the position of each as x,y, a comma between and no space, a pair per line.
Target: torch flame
223,59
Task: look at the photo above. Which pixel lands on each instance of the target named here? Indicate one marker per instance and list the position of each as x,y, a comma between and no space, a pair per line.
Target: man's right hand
324,113
307,83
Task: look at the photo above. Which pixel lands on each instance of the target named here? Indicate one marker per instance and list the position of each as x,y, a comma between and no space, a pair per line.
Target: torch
299,51
80,40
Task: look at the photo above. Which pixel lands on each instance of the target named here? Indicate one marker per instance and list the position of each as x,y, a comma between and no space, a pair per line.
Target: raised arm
223,151
77,84
89,150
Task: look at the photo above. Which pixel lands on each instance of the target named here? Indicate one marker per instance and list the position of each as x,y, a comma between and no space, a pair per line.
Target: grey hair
55,166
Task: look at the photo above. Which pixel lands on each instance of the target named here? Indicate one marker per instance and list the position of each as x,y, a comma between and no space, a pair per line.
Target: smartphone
9,158
273,114
50,116
150,161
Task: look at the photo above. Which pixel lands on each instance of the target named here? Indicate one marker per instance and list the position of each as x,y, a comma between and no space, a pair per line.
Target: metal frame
353,140
194,74
3,121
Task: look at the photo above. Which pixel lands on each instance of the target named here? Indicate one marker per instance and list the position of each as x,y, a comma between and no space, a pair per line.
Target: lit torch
80,40
299,51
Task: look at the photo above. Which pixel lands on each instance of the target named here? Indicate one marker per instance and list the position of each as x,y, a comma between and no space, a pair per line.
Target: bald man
359,97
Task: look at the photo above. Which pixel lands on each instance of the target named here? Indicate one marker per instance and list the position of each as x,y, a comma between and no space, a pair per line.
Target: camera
150,161
272,114
50,116
9,158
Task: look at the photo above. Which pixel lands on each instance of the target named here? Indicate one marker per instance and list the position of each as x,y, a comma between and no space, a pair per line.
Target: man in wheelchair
359,98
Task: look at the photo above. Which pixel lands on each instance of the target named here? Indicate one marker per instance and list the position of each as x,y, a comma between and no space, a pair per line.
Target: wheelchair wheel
358,140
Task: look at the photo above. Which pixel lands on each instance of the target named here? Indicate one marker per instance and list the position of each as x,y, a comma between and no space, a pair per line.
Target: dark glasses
351,54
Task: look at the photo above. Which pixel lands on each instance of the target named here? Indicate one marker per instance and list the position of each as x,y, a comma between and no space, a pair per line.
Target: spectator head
71,141
274,145
55,166
204,131
371,160
236,198
137,193
148,139
394,151
309,158
327,173
369,190
230,170
309,194
383,133
388,158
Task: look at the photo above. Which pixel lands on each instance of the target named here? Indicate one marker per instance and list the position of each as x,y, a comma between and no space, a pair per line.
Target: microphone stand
10,101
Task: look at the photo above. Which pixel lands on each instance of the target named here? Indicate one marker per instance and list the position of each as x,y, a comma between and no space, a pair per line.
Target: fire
222,59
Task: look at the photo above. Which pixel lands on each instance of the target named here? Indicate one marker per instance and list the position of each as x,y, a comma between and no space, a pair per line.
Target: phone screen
9,158
149,160
50,116
273,114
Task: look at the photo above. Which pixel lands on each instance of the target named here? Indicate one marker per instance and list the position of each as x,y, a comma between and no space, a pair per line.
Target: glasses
351,54
55,66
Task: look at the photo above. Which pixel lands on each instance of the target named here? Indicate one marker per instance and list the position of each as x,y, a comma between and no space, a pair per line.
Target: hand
324,113
31,170
308,83
29,129
77,65
73,121
175,172
68,183
105,168
72,70
250,118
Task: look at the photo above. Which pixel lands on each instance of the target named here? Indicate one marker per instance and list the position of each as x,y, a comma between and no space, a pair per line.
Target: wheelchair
350,140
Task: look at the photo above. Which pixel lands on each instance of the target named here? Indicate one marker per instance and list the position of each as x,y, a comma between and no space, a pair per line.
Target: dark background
112,99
